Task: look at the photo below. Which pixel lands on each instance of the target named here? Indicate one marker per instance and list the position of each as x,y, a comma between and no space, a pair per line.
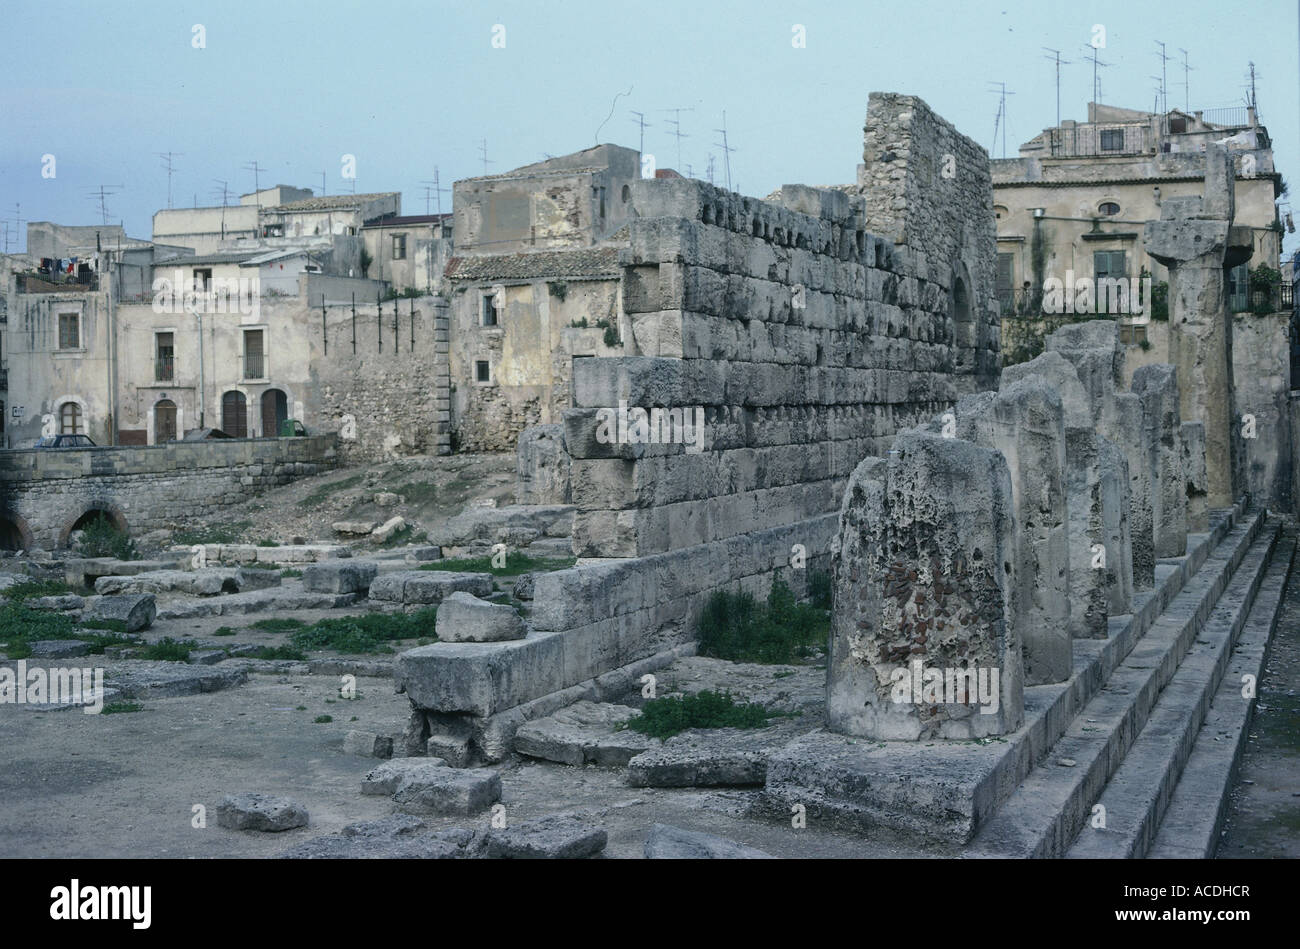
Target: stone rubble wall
147,488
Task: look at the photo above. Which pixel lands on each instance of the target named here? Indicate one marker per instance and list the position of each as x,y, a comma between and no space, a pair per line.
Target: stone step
1049,807
1194,818
944,792
1138,793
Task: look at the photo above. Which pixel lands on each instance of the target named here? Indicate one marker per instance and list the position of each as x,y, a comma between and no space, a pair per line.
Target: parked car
64,441
204,435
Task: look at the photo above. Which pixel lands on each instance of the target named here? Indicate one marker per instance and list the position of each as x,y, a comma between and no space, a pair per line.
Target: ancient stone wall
44,492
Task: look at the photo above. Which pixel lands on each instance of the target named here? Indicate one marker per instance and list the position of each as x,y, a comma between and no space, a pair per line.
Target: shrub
663,718
102,538
735,626
611,336
278,625
368,633
223,631
119,708
168,650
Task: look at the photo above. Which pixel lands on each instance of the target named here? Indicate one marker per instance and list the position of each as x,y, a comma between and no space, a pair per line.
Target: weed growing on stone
663,718
285,574
323,719
368,633
418,492
30,589
268,542
110,625
102,538
516,563
223,631
278,652
737,627
168,650
279,625
119,708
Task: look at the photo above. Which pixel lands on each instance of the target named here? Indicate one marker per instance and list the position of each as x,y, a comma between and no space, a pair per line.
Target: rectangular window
1112,140
69,331
164,361
482,371
1239,289
1108,266
399,247
489,309
202,280
254,360
1005,287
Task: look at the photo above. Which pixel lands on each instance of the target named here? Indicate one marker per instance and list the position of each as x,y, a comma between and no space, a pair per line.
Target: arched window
70,419
1108,208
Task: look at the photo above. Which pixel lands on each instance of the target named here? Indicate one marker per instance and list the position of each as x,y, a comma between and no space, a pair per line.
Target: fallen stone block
386,530
247,578
723,757
367,744
205,657
542,463
555,837
427,785
346,576
353,527
524,585
584,733
151,679
136,610
427,587
64,603
264,812
383,840
666,842
58,648
463,618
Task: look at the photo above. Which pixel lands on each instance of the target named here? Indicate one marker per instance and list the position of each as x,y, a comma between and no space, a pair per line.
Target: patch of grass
102,538
255,565
278,652
228,533
267,542
279,625
168,650
285,574
368,633
516,563
31,589
663,718
111,625
323,719
327,491
119,708
223,631
735,626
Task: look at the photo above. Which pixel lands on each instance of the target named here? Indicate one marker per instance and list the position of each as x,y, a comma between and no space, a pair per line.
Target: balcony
254,366
164,369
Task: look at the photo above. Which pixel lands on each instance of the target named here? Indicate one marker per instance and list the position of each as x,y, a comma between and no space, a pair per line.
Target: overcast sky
409,86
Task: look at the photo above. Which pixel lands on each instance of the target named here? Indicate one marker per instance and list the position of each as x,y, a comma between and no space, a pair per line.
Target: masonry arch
166,421
14,532
234,414
275,409
92,511
69,410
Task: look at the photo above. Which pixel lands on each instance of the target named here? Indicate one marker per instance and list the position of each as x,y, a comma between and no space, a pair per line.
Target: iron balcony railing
164,369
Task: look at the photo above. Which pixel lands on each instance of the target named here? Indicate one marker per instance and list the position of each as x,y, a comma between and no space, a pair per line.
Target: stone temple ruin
1044,585
1012,556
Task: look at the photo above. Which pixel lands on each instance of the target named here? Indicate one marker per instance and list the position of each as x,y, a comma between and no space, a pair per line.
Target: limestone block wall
44,492
806,342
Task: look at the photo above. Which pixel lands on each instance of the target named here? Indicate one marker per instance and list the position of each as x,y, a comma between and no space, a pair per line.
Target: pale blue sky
405,86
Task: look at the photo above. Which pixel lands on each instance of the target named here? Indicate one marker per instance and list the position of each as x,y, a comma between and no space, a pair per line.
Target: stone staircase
1143,766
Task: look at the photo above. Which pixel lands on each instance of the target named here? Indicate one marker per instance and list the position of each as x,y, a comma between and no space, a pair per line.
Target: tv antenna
1187,104
1164,76
640,118
1001,120
483,153
676,123
18,222
256,169
167,163
1056,58
435,188
1096,76
101,193
322,184
726,149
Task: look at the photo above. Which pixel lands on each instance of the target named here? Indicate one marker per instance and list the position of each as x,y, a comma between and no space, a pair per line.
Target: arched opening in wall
70,419
275,410
103,529
14,533
234,414
164,422
961,311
